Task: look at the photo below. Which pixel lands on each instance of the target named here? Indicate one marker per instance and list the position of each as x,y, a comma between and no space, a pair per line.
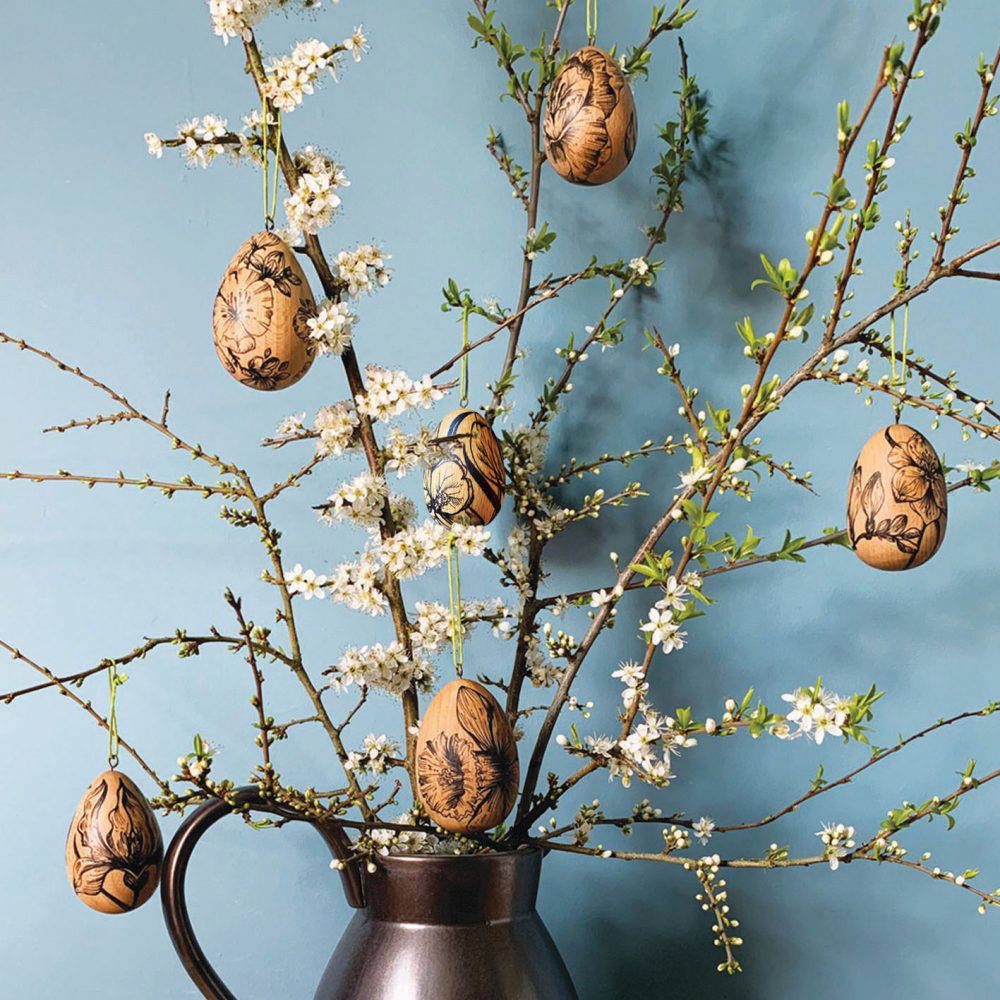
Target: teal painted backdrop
111,259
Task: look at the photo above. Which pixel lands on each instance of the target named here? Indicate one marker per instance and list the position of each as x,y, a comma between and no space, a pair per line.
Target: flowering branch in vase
720,452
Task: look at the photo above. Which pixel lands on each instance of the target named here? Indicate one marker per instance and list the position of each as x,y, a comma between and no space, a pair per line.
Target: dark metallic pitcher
429,927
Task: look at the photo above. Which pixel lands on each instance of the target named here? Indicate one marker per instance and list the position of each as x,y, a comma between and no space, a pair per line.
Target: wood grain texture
897,501
467,767
590,120
114,850
467,486
260,315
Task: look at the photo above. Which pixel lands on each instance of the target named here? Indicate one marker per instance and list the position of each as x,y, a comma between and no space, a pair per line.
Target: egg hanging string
464,379
455,605
900,379
591,21
114,680
270,204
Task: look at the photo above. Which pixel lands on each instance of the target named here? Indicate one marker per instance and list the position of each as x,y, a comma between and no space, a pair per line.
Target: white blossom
360,500
331,327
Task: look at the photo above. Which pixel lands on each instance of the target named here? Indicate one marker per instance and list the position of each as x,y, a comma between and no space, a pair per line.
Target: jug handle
175,869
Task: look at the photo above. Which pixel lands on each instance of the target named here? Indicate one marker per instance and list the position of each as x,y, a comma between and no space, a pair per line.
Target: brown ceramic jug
429,927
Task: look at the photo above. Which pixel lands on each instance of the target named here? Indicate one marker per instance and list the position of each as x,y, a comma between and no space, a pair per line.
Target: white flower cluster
644,753
331,327
405,841
513,562
662,629
358,586
404,452
336,425
542,672
390,393
414,550
431,631
816,712
361,501
363,269
306,583
313,202
289,78
375,757
382,666
235,18
838,841
199,135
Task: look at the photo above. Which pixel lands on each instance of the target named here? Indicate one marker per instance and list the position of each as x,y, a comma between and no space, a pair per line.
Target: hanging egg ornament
261,314
466,486
467,769
897,502
114,850
590,122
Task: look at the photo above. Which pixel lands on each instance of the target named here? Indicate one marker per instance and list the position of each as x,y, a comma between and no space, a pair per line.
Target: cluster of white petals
336,425
360,500
382,666
431,631
645,753
404,452
391,392
363,270
289,78
305,582
815,712
330,328
358,585
414,550
235,18
374,758
838,841
313,202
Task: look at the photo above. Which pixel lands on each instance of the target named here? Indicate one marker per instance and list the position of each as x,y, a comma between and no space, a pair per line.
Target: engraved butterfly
495,749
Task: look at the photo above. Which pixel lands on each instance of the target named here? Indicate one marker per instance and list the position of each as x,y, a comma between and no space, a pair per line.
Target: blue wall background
111,260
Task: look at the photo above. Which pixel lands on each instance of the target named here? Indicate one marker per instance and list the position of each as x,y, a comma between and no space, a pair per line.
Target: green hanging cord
894,378
591,21
274,192
903,373
113,681
263,118
464,380
455,605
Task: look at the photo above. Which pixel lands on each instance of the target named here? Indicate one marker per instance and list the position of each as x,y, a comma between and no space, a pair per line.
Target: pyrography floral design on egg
900,523
115,848
918,480
579,136
467,485
446,772
271,264
480,717
261,314
469,776
243,309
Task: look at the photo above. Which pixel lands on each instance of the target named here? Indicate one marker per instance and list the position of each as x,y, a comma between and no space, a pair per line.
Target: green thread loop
114,680
270,202
591,21
464,379
455,605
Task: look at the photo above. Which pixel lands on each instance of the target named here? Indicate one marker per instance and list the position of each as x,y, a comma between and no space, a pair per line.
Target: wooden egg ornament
114,850
261,313
467,769
467,485
897,502
590,122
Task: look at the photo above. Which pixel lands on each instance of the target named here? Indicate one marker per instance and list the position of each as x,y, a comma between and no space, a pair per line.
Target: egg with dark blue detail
466,484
